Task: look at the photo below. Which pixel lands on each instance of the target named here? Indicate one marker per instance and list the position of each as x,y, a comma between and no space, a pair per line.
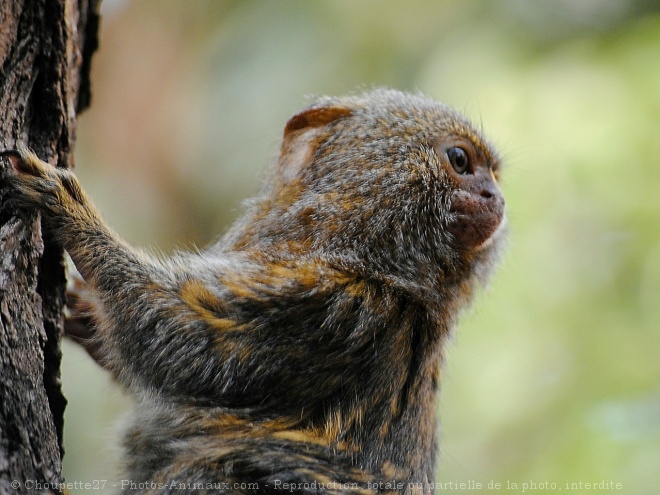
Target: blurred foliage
554,376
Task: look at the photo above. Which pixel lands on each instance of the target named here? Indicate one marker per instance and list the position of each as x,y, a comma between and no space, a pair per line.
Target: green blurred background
554,375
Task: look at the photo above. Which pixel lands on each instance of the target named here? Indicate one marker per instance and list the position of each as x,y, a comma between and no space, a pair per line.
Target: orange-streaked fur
304,348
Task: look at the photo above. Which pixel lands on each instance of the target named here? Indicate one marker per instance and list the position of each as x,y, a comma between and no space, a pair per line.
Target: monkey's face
476,204
393,184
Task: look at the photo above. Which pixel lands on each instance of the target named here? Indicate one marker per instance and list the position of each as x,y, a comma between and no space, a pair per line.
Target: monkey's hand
67,213
79,323
38,185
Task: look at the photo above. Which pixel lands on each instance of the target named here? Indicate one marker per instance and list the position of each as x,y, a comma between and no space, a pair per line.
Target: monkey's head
394,185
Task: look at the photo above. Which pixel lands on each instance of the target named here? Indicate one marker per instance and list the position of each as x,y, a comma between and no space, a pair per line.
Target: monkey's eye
458,158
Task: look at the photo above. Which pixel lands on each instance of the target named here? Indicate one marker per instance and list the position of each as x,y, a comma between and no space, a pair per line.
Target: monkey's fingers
24,161
80,329
35,183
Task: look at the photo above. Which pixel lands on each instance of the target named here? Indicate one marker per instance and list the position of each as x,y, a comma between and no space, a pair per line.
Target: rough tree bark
45,52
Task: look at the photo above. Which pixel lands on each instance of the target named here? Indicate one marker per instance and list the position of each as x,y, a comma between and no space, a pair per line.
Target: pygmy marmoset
302,351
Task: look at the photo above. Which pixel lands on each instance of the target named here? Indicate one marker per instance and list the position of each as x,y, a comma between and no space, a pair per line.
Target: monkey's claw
23,161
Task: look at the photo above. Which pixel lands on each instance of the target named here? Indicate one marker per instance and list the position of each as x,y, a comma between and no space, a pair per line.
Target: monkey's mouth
475,231
475,221
499,230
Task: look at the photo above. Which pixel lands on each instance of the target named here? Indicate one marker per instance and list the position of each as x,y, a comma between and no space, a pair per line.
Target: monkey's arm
224,331
101,256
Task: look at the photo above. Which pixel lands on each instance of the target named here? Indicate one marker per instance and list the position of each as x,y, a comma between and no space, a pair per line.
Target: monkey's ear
302,135
315,117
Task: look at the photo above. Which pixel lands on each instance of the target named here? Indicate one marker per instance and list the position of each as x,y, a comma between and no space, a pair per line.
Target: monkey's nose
487,193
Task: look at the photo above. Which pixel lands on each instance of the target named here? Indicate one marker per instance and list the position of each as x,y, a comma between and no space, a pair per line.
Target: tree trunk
45,53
